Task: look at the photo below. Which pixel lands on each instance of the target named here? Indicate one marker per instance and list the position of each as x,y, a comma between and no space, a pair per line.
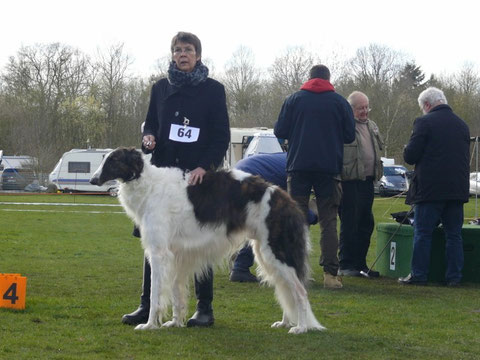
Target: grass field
84,271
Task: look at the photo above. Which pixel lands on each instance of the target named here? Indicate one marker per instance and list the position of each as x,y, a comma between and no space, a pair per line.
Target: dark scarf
181,78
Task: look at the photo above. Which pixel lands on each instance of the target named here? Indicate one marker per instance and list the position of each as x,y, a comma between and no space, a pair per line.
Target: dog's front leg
160,265
179,296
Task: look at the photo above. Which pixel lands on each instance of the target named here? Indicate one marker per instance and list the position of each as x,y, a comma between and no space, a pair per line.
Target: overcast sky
441,36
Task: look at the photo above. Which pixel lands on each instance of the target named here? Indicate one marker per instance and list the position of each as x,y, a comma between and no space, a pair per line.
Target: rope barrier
45,193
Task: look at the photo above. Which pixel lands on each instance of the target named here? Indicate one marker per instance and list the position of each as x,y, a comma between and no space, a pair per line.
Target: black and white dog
186,228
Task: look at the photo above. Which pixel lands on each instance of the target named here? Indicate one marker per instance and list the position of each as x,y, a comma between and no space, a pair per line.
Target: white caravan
75,168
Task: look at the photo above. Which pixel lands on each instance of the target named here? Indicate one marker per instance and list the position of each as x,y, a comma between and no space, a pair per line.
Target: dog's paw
173,323
298,330
318,328
280,324
147,326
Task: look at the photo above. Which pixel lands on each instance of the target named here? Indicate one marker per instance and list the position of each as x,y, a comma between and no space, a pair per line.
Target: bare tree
38,82
466,97
467,80
376,63
113,66
290,71
243,87
286,75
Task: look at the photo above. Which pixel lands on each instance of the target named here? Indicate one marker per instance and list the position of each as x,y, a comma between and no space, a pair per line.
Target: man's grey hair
433,96
353,97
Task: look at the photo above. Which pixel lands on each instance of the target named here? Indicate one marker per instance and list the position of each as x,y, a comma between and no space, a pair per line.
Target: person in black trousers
362,166
187,127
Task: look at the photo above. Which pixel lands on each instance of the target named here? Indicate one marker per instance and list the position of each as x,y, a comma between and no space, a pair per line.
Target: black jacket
439,147
317,123
205,107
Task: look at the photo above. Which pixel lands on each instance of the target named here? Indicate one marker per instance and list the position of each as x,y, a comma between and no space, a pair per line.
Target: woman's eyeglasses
186,50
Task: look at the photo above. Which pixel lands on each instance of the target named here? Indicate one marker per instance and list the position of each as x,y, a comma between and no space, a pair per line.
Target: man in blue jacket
270,167
439,147
317,123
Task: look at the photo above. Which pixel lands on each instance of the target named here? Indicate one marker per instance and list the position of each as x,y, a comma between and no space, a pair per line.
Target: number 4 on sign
13,290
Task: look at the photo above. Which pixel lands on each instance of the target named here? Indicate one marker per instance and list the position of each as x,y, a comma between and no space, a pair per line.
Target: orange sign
13,291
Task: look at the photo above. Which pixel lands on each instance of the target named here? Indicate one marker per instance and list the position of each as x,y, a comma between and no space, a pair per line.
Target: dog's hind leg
305,318
285,322
289,290
267,272
161,263
293,298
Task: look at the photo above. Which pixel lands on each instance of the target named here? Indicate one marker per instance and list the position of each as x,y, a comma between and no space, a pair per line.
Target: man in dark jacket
317,123
439,148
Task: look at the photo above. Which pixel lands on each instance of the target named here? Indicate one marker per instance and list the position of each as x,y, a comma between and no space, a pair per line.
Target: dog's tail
288,233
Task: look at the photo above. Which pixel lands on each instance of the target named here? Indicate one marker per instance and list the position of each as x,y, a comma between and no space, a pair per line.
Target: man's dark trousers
357,223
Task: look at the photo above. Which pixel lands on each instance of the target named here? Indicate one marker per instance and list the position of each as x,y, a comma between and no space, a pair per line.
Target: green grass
84,271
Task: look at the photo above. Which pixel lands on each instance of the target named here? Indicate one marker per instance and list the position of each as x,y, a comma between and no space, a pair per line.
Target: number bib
182,133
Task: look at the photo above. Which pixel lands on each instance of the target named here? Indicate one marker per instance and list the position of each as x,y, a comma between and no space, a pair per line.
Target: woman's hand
196,176
149,142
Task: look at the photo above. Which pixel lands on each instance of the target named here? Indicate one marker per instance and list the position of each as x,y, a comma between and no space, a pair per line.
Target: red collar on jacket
317,85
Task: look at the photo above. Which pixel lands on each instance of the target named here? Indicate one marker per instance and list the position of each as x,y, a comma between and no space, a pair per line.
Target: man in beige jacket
361,168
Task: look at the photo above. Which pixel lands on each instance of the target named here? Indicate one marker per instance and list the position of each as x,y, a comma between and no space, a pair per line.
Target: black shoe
410,280
201,319
139,316
371,273
243,276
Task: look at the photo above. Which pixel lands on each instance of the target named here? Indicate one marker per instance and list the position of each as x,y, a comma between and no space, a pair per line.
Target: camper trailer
245,142
75,168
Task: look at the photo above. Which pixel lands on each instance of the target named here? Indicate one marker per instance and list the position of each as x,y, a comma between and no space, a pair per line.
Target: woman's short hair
320,72
433,96
188,38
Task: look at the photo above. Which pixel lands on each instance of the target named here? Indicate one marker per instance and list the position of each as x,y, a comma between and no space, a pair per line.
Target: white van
75,168
245,142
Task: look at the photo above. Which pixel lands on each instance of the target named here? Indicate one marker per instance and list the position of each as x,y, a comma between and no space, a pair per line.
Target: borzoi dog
185,228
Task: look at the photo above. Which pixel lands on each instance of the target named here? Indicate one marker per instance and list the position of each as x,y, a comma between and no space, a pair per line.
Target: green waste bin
471,253
396,259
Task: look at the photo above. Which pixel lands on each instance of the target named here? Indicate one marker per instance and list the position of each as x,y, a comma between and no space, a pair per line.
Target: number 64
182,133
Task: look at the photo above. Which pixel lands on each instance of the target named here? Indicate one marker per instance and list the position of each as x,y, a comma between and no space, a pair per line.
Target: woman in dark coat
186,127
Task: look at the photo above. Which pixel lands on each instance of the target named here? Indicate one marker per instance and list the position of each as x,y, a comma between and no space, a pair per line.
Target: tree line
54,97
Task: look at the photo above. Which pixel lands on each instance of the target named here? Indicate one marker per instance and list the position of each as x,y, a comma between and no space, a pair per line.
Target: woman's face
185,56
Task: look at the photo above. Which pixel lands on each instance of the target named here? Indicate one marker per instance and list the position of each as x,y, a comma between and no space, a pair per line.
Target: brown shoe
331,281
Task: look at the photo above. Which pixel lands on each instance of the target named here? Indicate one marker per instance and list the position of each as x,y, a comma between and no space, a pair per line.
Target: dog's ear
128,163
135,160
